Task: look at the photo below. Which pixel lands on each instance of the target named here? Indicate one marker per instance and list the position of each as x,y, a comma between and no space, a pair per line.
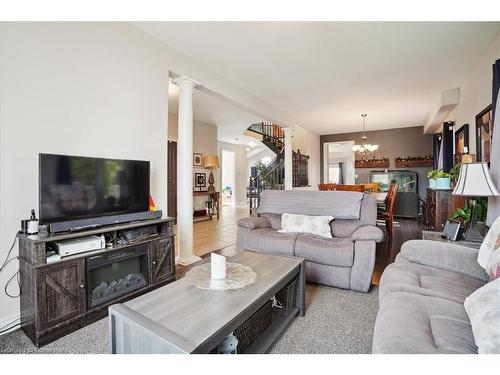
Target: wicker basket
253,327
286,297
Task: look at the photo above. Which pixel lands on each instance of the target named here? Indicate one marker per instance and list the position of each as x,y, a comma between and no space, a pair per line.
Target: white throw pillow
319,225
483,309
489,244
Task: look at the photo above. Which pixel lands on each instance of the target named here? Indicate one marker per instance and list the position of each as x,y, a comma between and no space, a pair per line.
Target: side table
436,236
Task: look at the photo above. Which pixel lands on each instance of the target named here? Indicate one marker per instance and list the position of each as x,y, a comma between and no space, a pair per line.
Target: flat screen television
78,187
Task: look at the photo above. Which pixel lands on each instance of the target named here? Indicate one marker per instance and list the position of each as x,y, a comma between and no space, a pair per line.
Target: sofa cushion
429,281
268,240
254,222
275,220
368,216
329,251
414,323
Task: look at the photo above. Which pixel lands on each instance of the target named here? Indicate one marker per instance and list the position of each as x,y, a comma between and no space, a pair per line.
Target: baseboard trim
9,319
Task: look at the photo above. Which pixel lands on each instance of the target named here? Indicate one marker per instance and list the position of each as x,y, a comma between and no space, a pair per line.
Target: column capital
186,80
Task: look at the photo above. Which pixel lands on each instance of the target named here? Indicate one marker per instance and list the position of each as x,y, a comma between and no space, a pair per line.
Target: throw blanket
339,204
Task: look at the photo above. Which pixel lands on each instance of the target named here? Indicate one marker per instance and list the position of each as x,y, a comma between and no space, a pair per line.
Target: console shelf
57,298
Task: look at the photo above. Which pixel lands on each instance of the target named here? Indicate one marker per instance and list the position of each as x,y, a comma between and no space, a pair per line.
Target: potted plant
443,180
432,178
463,214
454,173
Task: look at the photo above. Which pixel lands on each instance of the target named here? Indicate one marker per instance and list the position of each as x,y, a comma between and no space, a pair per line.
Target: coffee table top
194,315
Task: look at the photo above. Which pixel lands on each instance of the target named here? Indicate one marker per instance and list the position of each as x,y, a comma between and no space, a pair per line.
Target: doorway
338,161
228,172
172,179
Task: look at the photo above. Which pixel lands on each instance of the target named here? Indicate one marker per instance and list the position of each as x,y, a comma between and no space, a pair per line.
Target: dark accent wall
392,143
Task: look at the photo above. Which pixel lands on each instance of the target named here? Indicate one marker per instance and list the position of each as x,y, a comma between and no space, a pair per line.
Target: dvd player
80,245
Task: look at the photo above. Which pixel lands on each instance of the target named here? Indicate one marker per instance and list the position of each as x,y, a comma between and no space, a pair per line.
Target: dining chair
388,214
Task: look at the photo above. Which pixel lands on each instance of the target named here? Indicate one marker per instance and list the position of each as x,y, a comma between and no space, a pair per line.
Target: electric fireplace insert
110,276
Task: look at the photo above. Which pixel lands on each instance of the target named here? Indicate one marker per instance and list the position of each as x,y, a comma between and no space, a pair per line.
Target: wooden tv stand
56,298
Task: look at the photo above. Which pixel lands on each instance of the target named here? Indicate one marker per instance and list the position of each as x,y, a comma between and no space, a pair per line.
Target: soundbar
96,222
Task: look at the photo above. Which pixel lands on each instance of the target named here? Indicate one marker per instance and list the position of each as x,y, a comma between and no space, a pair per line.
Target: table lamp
474,181
211,162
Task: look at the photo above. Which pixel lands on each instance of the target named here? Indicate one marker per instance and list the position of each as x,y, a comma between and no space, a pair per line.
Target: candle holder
237,276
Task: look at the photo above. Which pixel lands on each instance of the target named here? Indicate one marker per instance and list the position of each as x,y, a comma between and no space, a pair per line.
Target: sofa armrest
443,255
368,233
254,222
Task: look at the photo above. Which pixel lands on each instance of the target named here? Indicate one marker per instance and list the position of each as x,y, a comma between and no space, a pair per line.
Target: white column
288,158
185,171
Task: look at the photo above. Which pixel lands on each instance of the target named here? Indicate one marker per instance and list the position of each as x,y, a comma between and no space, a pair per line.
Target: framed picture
200,180
197,160
484,131
461,142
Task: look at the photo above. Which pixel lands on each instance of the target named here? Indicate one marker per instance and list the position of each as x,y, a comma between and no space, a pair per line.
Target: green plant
441,174
465,212
455,171
432,174
437,173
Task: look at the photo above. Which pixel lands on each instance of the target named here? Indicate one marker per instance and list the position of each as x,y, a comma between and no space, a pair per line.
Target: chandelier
364,148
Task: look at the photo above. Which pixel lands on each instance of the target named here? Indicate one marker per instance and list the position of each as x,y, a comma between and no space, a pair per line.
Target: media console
59,297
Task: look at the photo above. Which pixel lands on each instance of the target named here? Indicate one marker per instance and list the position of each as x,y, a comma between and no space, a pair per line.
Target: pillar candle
218,266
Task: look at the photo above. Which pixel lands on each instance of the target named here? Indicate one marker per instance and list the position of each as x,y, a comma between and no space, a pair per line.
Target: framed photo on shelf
484,131
461,142
197,160
200,180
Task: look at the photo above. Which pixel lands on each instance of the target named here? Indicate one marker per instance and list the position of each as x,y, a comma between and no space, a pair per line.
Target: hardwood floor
404,230
217,234
220,235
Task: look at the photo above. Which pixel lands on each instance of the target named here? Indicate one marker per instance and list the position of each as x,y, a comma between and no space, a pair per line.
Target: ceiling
231,121
325,74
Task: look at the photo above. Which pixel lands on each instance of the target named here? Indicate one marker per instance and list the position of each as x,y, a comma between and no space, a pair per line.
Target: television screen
77,187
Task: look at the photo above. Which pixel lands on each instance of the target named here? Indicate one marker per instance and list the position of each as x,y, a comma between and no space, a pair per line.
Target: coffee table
180,318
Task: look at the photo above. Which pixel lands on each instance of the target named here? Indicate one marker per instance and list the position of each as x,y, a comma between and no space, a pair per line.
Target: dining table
379,196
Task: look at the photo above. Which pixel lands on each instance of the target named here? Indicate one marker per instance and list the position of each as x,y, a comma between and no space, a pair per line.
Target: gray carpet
336,321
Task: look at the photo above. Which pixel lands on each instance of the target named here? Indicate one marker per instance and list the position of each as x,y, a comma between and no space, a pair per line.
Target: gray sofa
421,299
344,261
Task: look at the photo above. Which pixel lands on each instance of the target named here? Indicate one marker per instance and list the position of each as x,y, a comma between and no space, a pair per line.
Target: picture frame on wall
484,132
461,142
197,160
200,180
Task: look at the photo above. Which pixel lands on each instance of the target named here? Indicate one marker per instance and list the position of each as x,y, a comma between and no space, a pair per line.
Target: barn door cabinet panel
62,292
162,257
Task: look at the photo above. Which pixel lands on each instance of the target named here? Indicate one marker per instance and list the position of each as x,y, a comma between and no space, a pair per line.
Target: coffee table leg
301,289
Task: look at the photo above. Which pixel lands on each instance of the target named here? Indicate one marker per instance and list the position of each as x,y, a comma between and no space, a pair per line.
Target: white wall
97,89
241,180
475,92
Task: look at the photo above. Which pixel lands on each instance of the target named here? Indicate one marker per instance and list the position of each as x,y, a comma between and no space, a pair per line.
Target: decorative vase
432,183
443,183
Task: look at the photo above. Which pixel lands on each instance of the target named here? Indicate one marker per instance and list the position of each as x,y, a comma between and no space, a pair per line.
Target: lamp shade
475,181
211,161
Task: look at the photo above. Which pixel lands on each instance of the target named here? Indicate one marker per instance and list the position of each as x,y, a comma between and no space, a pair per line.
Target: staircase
273,135
273,177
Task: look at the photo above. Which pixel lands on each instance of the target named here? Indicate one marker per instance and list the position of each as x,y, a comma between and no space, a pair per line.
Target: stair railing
271,179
